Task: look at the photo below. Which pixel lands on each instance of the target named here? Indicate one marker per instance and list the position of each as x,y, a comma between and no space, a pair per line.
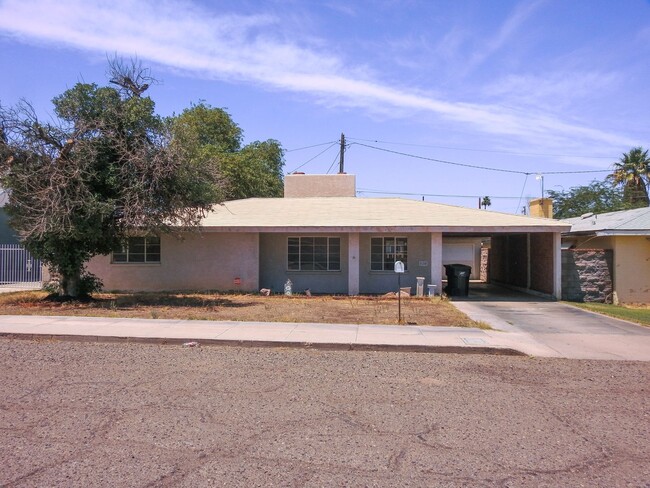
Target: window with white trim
384,251
314,253
138,250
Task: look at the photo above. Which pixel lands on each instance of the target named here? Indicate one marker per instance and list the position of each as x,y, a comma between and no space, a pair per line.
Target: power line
476,166
309,147
334,162
516,153
310,160
572,172
415,194
441,160
523,188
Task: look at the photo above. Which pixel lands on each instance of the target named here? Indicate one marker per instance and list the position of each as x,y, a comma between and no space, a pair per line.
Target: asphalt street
89,414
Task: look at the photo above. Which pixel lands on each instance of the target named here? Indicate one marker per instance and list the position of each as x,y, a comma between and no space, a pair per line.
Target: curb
321,346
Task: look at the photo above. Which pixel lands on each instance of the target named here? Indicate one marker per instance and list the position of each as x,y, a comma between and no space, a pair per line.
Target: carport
523,259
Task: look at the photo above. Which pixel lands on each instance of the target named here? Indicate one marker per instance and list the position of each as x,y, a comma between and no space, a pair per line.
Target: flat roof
347,214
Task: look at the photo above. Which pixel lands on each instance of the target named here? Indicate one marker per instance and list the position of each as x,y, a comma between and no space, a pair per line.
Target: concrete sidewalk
323,336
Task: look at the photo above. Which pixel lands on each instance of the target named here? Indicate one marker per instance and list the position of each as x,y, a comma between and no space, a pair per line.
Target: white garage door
459,253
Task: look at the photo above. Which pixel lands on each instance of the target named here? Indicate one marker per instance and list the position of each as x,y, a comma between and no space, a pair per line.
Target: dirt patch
253,308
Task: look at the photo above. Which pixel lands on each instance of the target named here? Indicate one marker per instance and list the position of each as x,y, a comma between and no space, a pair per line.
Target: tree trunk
636,193
70,283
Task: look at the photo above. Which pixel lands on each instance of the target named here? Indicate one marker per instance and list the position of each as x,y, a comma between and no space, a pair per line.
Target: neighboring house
17,266
323,238
606,257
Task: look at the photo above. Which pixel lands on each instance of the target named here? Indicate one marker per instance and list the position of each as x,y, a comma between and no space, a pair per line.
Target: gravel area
86,414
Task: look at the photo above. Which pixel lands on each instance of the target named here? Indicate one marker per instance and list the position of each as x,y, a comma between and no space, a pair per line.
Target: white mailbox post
399,269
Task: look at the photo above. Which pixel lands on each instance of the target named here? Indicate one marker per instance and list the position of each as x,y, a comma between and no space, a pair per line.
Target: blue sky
524,86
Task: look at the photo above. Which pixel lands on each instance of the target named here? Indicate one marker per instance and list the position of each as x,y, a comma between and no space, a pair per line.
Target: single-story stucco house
325,239
606,257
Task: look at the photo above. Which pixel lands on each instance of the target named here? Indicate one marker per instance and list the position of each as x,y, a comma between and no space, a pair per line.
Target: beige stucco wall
632,269
419,264
631,265
274,272
209,261
338,185
541,207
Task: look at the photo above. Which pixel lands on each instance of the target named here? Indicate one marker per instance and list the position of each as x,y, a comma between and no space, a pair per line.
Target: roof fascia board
410,229
623,233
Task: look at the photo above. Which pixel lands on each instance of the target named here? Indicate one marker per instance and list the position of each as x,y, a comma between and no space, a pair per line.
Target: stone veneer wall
485,257
587,275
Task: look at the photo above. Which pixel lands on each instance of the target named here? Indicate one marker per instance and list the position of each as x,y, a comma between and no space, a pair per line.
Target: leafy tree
486,202
597,197
632,172
105,168
209,134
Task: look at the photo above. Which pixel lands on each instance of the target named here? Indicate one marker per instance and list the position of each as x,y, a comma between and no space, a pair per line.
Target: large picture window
314,254
384,251
138,250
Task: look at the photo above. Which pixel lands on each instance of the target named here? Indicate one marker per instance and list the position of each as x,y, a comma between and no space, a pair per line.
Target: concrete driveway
553,329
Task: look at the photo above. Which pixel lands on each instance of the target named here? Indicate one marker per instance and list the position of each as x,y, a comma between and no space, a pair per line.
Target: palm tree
485,203
632,172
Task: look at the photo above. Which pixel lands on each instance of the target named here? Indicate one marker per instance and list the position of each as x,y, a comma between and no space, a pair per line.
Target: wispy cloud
560,87
342,8
508,28
254,49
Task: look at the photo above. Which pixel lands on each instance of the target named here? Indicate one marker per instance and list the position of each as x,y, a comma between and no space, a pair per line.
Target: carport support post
436,261
529,274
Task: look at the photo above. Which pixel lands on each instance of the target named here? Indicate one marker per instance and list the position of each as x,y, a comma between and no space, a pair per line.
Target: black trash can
457,279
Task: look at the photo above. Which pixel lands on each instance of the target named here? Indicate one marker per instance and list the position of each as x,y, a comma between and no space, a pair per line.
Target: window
314,254
138,250
384,251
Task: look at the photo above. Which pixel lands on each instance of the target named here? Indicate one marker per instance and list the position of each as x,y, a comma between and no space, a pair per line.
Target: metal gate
18,269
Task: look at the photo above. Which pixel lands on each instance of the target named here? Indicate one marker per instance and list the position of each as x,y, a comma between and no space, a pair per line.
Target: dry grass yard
241,307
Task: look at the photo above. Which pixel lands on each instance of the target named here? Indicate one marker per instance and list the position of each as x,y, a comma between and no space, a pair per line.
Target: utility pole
342,153
540,177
